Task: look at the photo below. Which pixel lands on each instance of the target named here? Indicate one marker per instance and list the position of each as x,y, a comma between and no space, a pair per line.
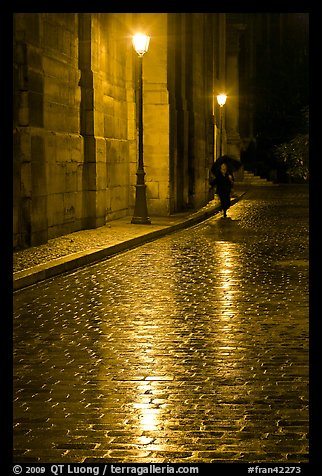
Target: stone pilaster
29,167
232,78
156,119
92,122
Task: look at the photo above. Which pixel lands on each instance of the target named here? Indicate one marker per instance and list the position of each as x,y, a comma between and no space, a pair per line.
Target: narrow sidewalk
85,247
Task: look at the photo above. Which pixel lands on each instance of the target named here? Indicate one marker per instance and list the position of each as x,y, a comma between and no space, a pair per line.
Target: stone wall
48,156
75,118
71,142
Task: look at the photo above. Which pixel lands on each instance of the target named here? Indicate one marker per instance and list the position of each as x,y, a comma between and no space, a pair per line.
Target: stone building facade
75,116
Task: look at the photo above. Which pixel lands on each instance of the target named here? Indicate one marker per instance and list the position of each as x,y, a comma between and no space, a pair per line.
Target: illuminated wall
75,128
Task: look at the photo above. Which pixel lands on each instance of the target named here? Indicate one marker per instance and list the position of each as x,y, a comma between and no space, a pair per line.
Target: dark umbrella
232,164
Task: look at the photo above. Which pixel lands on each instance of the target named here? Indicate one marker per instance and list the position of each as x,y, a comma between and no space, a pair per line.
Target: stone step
251,179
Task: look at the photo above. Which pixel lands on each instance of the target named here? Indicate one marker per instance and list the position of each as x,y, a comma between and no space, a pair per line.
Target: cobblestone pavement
114,232
190,349
84,247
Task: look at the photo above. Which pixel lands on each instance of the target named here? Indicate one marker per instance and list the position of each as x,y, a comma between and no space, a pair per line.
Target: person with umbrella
222,169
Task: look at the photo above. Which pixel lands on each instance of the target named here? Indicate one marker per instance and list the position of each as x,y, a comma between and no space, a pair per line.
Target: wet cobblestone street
192,348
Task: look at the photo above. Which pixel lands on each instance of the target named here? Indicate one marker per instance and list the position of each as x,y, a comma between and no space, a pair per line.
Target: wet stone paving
191,348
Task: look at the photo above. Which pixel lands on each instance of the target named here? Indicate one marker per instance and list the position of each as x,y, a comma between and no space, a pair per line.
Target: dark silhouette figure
224,184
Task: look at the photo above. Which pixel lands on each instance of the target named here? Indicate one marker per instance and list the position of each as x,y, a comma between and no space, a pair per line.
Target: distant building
273,82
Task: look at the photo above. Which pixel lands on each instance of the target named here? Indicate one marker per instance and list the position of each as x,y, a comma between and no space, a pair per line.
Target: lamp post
221,99
140,215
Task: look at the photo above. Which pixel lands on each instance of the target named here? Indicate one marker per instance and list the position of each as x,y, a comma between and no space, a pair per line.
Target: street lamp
221,99
140,215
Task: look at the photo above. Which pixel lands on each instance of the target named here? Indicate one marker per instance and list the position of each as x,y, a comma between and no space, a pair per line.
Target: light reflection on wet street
192,348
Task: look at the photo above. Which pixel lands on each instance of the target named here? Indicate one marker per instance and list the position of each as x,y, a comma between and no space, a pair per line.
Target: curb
22,279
